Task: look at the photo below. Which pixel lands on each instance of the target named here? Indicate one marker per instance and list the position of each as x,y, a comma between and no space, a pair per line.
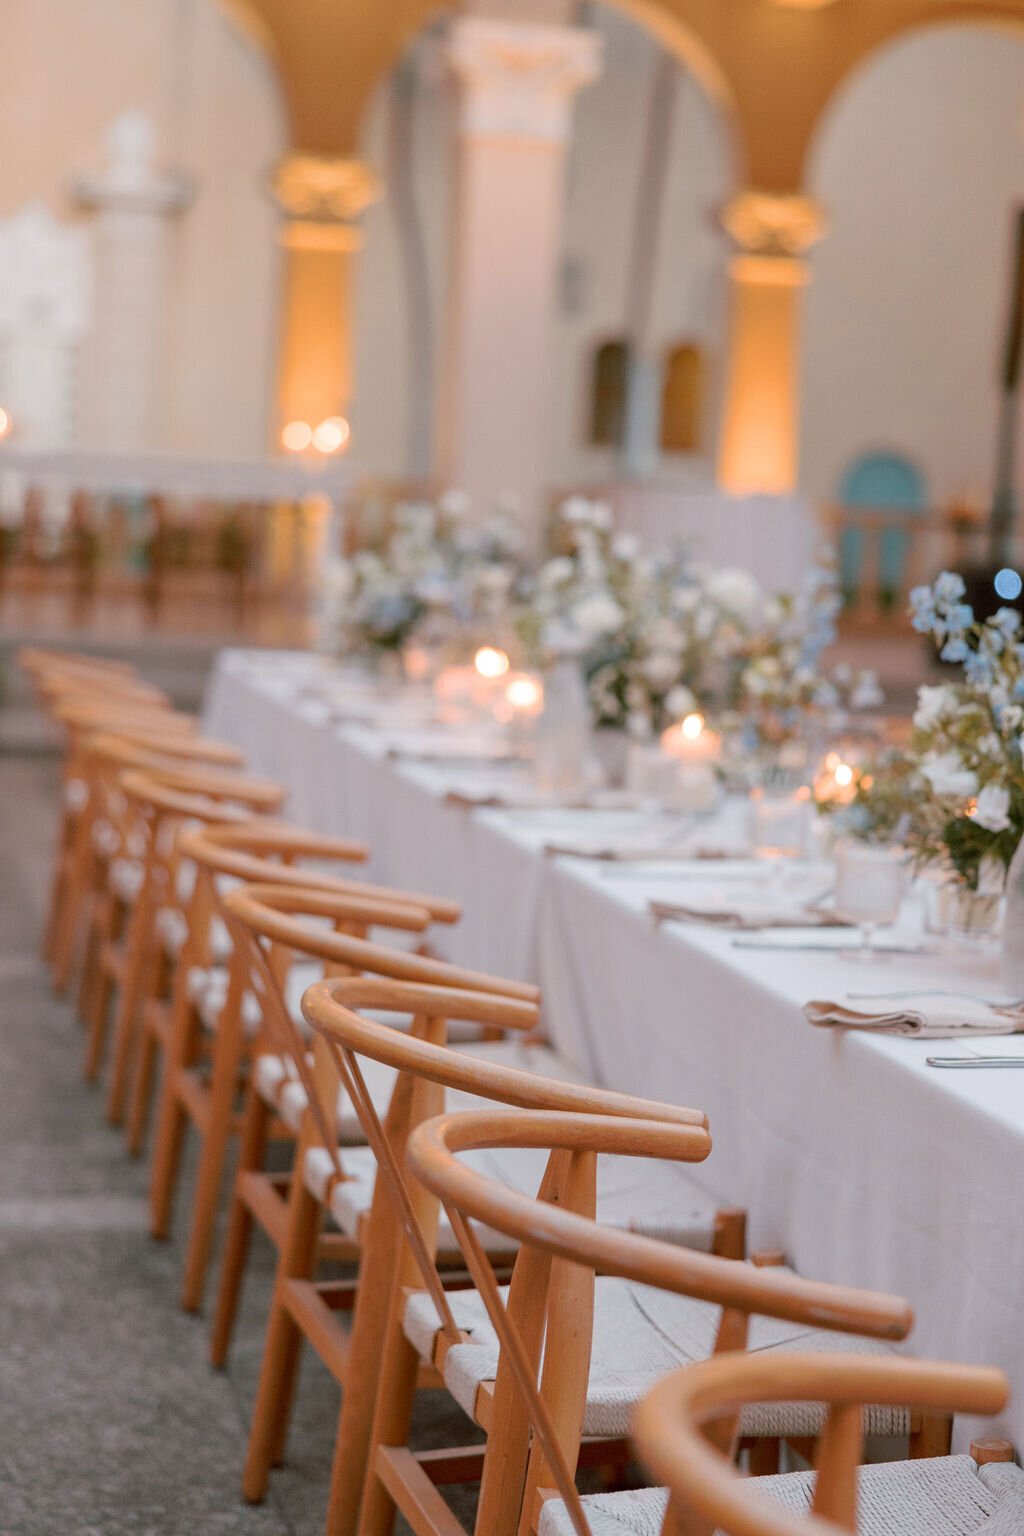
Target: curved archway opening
919,161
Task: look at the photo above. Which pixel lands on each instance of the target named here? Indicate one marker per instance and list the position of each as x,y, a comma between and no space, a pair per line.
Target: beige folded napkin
942,1021
747,915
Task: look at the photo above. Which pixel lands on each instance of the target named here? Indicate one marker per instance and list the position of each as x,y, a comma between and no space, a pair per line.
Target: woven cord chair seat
640,1334
947,1496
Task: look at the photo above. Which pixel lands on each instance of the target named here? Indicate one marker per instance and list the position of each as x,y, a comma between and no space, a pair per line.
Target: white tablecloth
864,1164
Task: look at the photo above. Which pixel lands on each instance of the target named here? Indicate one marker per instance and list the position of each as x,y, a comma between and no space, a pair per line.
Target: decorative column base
759,444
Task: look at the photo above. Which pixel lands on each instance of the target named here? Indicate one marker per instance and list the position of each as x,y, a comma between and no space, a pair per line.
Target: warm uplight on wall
297,436
332,435
5,423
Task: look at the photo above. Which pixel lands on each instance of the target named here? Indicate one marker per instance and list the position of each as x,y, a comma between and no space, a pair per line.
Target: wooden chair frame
672,1425
210,1106
518,1475
268,922
158,799
398,1236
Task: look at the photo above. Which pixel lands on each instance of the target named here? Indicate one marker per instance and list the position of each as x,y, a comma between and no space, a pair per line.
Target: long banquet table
864,1164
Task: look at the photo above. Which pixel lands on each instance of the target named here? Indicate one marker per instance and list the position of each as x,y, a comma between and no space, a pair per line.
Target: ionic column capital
518,79
322,198
772,232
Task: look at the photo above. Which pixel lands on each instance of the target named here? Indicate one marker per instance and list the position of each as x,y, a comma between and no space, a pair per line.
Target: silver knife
975,1061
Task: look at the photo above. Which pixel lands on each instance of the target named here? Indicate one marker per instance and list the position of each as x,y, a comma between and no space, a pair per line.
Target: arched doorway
919,161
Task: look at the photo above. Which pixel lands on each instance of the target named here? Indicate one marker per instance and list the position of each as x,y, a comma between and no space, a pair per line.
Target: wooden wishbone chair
613,1310
105,858
195,941
400,1231
230,1050
948,1496
79,720
222,855
271,922
159,801
104,755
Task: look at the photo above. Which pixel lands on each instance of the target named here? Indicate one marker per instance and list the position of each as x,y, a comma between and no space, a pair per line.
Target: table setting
733,886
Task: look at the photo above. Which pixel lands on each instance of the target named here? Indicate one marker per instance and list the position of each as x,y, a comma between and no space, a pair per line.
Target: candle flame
490,663
692,726
843,774
523,693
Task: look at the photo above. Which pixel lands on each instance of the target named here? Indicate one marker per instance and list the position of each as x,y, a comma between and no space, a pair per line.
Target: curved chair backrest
246,852
74,683
567,1231
670,1429
271,923
92,714
134,747
35,658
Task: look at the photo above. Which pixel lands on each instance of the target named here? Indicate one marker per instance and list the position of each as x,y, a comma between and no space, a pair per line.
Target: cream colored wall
920,164
67,68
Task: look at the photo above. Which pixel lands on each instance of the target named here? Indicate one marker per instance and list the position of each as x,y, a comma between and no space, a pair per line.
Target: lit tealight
490,663
5,422
525,694
692,726
297,436
331,435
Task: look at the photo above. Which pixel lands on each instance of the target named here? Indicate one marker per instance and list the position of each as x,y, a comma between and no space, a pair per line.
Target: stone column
133,206
321,198
517,83
759,443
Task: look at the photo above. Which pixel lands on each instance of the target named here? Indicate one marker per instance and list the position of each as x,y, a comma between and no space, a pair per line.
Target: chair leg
171,1114
227,1060
96,1031
136,986
934,1436
399,1369
252,1152
74,886
284,1342
142,1087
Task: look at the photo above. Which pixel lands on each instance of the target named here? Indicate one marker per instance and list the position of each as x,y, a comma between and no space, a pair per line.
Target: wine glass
870,882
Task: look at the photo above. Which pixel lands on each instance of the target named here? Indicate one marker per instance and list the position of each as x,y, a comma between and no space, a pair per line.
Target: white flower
556,572
1011,717
660,669
679,701
625,548
991,811
933,704
596,614
453,504
337,580
734,590
948,776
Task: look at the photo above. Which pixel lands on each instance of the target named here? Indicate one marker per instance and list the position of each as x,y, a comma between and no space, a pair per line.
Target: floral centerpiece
783,687
656,634
439,572
955,795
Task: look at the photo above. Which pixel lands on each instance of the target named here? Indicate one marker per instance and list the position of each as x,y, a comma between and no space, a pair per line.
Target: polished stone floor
111,1421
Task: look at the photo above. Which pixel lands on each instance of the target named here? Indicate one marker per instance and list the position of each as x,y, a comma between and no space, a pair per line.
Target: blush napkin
949,1020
